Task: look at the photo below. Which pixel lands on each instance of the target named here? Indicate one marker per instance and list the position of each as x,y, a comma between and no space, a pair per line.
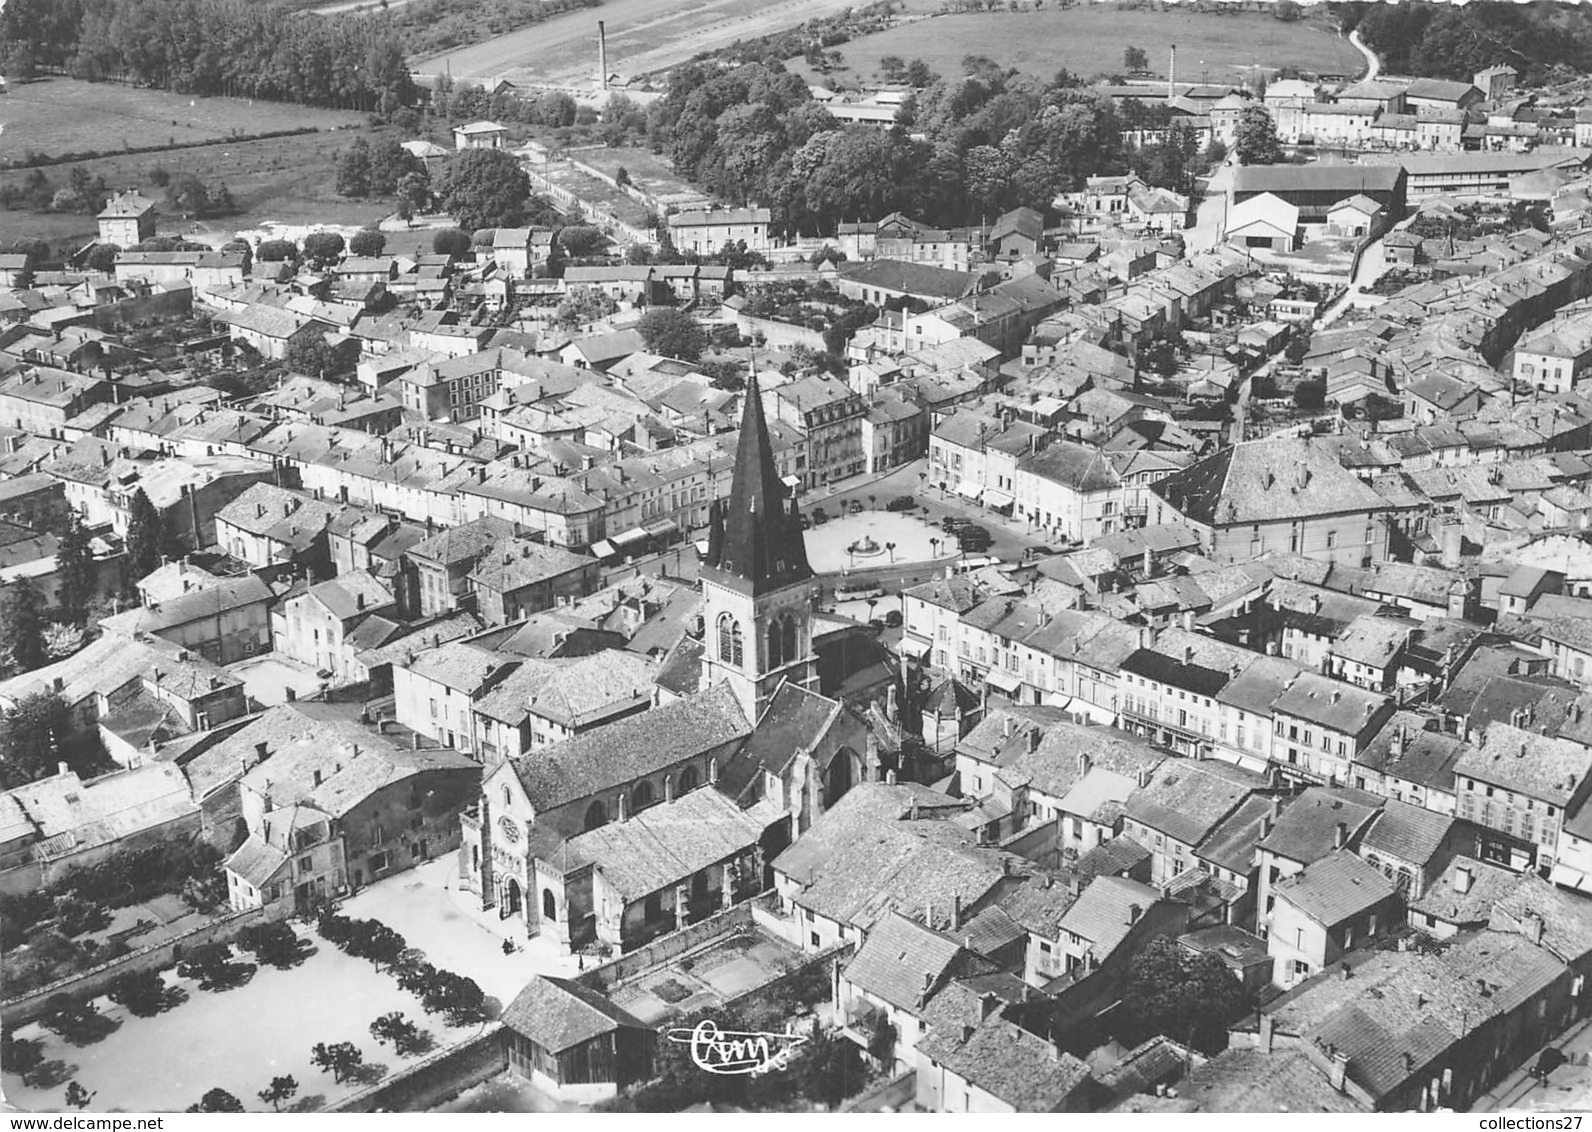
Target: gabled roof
560,1014
902,962
1335,888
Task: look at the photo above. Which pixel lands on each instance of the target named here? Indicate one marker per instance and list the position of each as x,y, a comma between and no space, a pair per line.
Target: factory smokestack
602,56
1171,73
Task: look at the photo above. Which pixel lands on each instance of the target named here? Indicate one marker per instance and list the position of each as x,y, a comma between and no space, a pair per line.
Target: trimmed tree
141,993
451,241
367,242
77,1096
323,247
276,251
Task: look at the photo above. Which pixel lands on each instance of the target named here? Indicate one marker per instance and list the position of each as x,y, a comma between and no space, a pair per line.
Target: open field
58,116
288,181
643,36
650,172
1088,40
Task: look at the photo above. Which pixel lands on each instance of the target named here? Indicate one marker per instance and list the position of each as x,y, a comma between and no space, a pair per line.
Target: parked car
1039,551
892,620
856,507
901,503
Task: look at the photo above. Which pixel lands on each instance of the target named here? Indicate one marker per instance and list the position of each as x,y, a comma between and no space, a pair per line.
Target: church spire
757,537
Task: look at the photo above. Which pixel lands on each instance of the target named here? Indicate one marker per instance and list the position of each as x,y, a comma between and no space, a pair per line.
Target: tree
414,191
74,568
323,247
581,239
30,737
1310,395
102,257
21,628
147,540
212,965
485,188
274,943
1187,998
77,1096
276,251
585,305
672,333
457,997
339,1059
142,993
621,176
1256,137
1288,11
374,940
217,1100
920,74
367,242
353,170
281,1089
405,1036
1135,60
451,241
830,1069
21,1055
309,354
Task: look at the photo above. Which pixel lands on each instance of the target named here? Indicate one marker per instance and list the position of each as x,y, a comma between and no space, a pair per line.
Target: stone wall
667,947
156,957
436,1078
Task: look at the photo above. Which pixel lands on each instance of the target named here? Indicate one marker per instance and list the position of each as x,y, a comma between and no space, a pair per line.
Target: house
705,232
1286,495
326,817
519,251
1442,94
435,690
58,824
1555,357
1520,786
1316,187
1354,217
127,219
520,576
316,626
1017,233
223,623
1179,805
881,281
1324,911
480,135
573,1043
995,1066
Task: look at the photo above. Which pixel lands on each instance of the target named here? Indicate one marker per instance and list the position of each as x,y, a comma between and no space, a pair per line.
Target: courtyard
237,1039
266,679
725,967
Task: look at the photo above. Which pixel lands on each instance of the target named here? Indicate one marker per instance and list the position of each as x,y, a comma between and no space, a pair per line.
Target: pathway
1373,64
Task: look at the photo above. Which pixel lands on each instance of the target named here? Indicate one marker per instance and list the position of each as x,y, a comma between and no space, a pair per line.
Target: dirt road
643,36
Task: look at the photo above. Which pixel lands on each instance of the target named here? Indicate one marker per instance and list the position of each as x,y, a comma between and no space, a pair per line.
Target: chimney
956,912
1267,1025
1006,727
1171,73
1134,912
928,916
1342,837
1340,1070
1083,764
291,693
602,56
988,1004
1463,879
260,752
1034,736
1531,926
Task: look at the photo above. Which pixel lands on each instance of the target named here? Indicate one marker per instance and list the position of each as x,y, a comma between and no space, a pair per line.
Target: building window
730,644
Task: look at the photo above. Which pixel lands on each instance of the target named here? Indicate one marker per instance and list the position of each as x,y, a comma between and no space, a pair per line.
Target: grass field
57,116
650,172
283,180
1090,40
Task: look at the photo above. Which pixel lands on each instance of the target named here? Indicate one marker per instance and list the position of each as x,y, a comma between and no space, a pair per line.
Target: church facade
642,826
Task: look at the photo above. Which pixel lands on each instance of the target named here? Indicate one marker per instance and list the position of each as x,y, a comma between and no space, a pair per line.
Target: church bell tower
756,583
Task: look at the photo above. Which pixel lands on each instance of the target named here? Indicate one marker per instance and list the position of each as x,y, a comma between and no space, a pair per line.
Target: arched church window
642,796
776,656
788,635
730,647
596,815
689,779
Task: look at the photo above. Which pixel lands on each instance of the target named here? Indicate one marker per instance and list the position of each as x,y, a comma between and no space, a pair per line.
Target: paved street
1568,1088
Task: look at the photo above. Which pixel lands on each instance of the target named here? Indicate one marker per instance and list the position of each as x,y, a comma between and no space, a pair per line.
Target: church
639,827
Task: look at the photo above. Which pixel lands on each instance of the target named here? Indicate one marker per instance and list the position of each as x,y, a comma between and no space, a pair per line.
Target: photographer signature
735,1051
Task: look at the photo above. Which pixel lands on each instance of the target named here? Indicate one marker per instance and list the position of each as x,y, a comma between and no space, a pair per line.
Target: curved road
1373,65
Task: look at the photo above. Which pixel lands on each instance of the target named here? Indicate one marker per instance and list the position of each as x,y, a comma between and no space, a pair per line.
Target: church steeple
756,543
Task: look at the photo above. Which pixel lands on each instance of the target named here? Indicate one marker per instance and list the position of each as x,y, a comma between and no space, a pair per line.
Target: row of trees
211,47
458,998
